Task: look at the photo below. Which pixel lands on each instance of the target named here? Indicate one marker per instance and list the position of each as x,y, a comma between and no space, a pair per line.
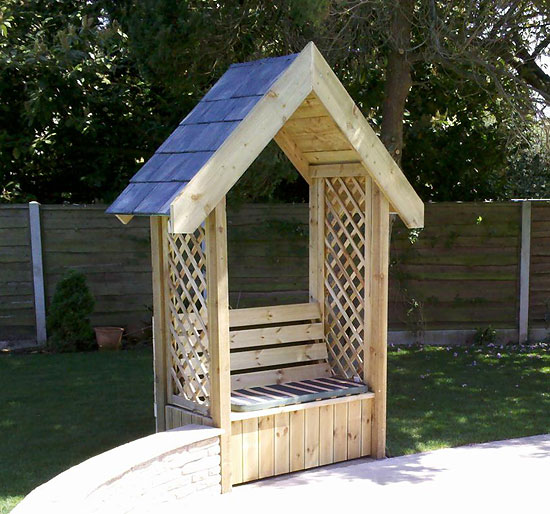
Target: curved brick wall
138,477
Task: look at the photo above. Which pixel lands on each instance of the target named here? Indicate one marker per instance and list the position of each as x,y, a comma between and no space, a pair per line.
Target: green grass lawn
57,410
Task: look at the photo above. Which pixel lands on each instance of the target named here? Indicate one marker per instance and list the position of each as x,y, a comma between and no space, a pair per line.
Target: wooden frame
203,351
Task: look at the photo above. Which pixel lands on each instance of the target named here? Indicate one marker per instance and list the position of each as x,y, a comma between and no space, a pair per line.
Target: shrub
69,325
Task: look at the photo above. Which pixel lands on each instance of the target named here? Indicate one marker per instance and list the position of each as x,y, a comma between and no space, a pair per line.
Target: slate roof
153,188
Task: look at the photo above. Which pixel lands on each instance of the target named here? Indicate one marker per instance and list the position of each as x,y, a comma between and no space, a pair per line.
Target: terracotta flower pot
108,338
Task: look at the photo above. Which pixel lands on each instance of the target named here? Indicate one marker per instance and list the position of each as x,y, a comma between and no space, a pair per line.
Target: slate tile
159,194
149,170
130,198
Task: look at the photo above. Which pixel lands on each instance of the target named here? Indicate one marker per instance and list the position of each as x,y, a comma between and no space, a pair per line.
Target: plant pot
108,338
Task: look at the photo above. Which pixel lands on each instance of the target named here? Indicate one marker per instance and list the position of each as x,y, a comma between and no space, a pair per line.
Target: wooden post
217,288
317,243
37,273
377,339
523,329
159,227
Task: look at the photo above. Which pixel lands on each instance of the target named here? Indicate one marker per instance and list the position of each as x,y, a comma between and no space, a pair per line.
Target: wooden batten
218,333
345,169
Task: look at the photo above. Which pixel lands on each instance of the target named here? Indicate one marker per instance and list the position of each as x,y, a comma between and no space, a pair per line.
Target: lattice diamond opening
188,362
345,269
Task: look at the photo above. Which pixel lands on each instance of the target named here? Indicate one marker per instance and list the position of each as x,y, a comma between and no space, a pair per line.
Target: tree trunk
398,79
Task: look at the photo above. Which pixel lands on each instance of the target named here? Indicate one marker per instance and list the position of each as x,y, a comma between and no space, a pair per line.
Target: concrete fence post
525,258
37,272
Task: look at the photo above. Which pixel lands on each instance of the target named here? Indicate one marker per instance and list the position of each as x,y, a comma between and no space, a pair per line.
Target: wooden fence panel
539,284
17,320
116,260
462,270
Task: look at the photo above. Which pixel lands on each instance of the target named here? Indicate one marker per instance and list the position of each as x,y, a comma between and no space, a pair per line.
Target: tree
90,89
76,118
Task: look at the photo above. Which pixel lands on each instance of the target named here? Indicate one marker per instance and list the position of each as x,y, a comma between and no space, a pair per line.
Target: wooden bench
289,411
279,358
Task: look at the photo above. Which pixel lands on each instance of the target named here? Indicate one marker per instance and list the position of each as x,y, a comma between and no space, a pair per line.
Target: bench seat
289,393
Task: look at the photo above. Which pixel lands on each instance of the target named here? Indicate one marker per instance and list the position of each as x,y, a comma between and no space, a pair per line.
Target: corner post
217,287
317,243
525,258
377,345
37,273
159,228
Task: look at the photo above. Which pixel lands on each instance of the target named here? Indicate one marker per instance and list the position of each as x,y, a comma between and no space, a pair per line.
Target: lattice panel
345,268
188,360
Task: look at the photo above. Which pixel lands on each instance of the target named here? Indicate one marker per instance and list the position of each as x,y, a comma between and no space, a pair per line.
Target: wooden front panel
177,417
300,439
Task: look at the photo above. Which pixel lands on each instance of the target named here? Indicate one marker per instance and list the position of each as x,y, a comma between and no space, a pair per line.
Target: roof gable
210,150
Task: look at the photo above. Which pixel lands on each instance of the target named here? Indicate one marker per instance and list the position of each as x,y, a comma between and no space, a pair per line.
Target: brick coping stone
71,488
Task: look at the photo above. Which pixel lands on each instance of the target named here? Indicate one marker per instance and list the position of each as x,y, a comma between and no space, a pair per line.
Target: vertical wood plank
326,434
354,429
366,415
312,437
169,422
218,333
340,431
236,452
266,427
160,339
297,449
37,272
525,260
282,446
378,342
250,450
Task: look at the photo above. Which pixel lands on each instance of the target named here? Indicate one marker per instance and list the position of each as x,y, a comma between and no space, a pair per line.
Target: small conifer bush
69,326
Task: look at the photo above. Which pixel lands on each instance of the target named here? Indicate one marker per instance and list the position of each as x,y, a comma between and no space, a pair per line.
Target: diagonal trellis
188,360
345,268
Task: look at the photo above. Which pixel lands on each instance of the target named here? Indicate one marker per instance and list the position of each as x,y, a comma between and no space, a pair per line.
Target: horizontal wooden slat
278,376
274,314
275,335
278,356
349,169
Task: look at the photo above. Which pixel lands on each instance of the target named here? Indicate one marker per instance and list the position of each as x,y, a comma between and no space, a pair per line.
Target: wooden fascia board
373,154
207,188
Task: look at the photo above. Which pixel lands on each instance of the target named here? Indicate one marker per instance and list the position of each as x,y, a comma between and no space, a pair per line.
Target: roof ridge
263,60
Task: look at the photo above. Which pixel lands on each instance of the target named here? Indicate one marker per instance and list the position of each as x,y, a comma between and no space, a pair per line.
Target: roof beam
202,194
373,154
294,154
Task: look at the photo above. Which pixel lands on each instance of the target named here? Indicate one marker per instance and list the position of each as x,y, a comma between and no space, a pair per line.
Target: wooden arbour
287,384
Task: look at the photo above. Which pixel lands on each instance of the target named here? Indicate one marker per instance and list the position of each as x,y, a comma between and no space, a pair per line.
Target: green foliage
76,119
69,325
89,89
528,173
486,335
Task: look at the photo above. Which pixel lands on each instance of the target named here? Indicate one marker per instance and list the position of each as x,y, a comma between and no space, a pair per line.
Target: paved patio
504,476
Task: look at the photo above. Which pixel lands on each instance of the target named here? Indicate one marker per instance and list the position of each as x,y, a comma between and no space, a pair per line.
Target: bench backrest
277,344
